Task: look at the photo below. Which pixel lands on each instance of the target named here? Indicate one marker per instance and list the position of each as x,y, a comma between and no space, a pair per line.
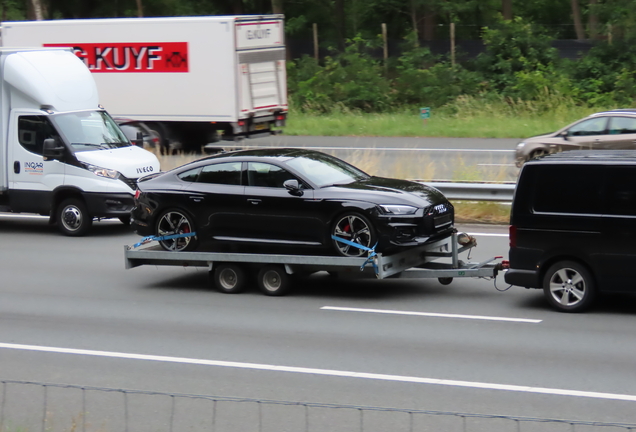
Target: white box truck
187,78
61,154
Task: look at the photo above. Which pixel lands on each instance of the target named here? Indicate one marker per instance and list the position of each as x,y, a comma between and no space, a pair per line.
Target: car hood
382,190
133,162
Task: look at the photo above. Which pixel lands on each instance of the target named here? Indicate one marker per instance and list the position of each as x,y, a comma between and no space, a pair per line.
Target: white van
61,154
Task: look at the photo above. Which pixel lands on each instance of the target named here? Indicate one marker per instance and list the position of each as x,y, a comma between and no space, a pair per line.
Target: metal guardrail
47,407
502,192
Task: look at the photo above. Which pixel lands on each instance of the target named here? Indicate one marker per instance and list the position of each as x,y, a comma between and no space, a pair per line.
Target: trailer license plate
260,126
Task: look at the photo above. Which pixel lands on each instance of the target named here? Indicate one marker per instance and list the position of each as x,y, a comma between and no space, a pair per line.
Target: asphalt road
327,342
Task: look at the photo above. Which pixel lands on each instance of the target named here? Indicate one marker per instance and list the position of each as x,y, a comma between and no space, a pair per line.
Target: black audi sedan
286,198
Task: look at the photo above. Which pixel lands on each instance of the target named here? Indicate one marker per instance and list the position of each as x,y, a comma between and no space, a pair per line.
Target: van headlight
102,172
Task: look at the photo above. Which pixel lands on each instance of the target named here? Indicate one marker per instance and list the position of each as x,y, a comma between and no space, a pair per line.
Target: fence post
316,41
452,42
386,49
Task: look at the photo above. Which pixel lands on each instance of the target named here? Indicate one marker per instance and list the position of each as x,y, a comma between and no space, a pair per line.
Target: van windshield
90,130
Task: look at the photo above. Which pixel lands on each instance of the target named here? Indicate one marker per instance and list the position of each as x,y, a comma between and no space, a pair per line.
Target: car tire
72,218
538,153
273,280
356,228
124,219
176,221
229,278
568,286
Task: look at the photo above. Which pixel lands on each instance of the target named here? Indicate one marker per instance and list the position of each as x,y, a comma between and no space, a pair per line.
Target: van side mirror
51,149
139,142
293,187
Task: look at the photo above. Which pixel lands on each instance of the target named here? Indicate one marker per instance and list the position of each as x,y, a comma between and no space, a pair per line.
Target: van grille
132,183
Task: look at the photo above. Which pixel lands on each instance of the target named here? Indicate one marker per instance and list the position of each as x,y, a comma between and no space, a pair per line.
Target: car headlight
520,145
398,209
102,172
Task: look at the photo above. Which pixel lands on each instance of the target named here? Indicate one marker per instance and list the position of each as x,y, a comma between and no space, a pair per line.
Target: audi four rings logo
440,208
143,170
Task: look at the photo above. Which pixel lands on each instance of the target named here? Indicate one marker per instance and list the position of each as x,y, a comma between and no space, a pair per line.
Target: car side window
595,126
568,189
33,130
622,125
190,175
621,192
228,173
267,175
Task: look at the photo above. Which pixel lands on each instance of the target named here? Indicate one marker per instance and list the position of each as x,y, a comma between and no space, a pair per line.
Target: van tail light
513,236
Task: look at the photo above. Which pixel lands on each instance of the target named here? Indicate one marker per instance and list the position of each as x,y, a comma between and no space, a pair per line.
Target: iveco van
573,226
61,154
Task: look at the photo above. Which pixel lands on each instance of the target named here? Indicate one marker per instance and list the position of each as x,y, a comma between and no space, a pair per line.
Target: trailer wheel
73,218
274,281
445,280
229,278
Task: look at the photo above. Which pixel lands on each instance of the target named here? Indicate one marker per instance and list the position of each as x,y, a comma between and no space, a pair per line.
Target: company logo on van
34,168
131,57
144,170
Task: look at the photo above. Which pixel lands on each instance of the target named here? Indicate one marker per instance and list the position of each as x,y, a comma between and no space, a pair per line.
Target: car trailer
229,274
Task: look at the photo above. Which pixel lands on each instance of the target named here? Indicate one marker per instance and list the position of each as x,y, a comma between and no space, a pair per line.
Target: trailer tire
72,217
274,281
229,278
445,280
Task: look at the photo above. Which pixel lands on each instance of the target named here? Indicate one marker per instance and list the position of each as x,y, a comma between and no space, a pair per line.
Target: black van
573,226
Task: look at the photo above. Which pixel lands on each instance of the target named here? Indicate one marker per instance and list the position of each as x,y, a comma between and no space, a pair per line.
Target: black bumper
108,205
524,278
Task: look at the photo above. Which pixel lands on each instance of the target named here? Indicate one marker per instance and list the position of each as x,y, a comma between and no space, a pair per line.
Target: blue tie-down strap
371,251
162,238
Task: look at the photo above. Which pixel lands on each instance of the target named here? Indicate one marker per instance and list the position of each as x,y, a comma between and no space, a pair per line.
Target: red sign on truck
160,57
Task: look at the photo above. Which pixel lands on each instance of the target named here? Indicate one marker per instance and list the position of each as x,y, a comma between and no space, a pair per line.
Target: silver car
604,130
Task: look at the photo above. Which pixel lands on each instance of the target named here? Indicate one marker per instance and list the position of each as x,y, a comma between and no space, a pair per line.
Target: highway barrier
502,192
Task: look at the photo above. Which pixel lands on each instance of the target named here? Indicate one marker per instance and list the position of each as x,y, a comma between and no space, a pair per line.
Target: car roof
629,111
278,154
589,156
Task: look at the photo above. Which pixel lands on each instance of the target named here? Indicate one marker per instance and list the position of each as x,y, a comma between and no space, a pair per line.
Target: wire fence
34,406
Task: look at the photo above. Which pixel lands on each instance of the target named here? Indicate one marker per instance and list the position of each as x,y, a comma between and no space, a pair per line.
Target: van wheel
568,286
73,218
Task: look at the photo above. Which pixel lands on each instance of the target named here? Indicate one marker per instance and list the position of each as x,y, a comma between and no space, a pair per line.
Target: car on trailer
292,200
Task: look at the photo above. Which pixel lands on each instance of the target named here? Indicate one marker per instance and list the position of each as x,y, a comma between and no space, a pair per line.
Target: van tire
569,286
72,218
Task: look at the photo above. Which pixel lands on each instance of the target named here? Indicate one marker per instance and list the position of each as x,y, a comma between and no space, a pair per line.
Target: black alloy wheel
569,287
73,218
355,228
176,222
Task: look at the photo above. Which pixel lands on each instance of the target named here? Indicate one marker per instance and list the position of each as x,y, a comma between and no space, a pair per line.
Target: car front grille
438,218
132,183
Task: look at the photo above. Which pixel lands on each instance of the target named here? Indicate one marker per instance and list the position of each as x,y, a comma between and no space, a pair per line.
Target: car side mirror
293,187
51,149
564,135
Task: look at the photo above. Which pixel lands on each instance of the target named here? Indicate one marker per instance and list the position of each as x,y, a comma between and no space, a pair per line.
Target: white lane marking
13,215
403,149
430,314
328,372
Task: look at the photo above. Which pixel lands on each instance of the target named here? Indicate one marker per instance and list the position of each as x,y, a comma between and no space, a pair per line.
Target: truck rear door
260,50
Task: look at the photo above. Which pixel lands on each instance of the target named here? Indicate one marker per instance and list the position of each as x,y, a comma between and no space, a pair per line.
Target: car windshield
324,170
90,130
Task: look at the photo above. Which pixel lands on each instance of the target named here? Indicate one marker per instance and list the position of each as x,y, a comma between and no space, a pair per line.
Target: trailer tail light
280,117
513,236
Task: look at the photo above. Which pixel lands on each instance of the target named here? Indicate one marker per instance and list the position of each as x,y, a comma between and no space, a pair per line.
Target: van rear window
568,189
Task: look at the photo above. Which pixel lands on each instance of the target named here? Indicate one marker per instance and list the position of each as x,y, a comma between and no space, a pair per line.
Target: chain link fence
34,406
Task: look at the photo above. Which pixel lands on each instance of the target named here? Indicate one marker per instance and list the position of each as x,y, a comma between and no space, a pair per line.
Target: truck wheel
445,280
229,278
73,218
274,281
569,287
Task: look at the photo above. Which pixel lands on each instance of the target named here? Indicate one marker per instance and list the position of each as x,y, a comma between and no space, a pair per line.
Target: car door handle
254,201
196,198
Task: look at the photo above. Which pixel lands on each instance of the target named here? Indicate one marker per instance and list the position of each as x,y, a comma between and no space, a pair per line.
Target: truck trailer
193,80
61,154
